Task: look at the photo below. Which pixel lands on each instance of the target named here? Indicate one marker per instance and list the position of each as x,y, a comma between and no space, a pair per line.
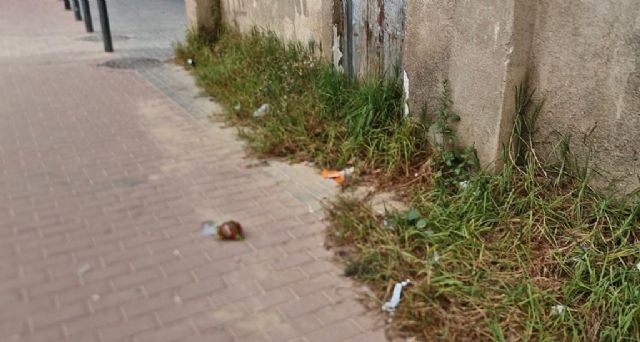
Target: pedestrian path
105,177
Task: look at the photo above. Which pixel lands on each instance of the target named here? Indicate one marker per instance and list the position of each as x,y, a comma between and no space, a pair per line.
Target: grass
315,113
491,259
490,256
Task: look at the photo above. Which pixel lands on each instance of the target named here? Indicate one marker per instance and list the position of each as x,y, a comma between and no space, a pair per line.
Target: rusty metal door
374,31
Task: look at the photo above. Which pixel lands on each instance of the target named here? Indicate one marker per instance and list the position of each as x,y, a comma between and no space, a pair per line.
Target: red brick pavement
103,184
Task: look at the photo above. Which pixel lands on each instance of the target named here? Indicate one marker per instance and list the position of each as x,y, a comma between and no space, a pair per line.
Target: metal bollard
76,10
104,23
86,12
67,5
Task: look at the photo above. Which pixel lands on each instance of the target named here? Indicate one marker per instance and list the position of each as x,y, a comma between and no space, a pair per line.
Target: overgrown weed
530,254
315,112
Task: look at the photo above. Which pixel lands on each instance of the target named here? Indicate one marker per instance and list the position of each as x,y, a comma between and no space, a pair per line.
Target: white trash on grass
262,111
557,309
392,304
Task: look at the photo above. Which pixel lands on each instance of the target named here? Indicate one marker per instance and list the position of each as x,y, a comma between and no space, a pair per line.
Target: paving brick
83,292
291,260
184,310
216,318
205,287
315,284
235,293
176,281
255,323
321,266
270,298
373,336
48,317
174,332
93,322
341,311
117,169
307,304
340,331
121,331
130,279
282,278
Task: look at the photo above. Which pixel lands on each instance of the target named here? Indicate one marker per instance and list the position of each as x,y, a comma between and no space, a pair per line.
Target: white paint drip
405,84
337,54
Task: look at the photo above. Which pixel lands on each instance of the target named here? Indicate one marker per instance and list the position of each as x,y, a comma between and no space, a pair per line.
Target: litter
230,230
209,228
392,304
638,266
436,257
557,309
262,111
339,176
84,269
191,62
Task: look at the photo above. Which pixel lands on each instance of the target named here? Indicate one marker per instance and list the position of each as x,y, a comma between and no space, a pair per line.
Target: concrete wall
585,63
482,48
301,20
582,57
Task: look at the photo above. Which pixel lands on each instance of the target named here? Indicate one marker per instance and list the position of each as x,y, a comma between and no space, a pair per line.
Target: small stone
95,297
176,252
177,299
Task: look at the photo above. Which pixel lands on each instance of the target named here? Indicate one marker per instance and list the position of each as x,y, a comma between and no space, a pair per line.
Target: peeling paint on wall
405,92
337,54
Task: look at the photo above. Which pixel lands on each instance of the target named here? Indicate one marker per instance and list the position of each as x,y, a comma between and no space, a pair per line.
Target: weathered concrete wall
582,57
585,63
292,20
482,48
200,14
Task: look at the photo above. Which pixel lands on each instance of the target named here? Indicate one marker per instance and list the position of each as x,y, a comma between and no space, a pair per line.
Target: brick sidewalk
104,181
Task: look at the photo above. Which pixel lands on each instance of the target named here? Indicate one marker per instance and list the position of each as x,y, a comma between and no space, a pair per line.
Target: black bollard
67,5
76,10
104,23
86,12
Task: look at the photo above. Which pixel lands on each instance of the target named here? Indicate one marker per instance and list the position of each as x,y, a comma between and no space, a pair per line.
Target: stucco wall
301,20
482,48
582,57
585,63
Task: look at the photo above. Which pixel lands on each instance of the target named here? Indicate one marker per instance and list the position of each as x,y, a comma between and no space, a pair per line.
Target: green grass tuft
316,113
511,246
489,255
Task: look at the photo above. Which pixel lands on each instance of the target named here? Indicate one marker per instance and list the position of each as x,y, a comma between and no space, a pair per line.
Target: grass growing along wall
315,113
530,254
